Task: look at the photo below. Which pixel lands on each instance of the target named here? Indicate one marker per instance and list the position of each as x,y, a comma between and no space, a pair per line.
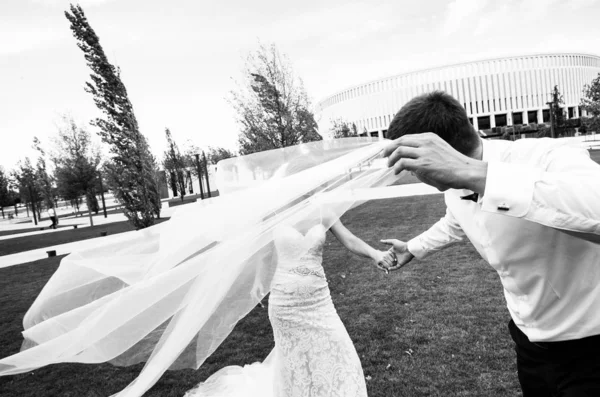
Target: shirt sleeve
443,233
561,191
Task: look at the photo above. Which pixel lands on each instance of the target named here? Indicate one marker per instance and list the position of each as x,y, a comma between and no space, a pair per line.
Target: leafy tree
76,164
131,172
25,178
343,129
216,154
272,106
44,180
157,181
7,196
591,104
210,156
175,166
558,119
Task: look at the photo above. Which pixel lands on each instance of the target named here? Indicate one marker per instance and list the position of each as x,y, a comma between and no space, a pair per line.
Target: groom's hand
400,250
436,163
384,260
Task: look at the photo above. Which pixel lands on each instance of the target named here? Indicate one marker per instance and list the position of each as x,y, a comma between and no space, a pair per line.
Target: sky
180,59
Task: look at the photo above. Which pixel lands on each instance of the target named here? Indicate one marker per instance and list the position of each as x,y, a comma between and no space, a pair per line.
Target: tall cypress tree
131,171
174,164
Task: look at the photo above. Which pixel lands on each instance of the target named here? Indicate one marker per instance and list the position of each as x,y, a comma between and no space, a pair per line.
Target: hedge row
542,129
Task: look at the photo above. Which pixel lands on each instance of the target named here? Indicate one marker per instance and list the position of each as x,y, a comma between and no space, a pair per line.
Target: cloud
579,4
481,17
461,13
346,22
65,3
16,39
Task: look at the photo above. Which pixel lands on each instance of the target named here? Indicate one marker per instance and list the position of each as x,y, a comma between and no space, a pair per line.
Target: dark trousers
557,369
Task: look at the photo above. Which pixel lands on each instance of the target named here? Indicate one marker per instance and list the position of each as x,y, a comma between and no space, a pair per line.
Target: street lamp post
199,175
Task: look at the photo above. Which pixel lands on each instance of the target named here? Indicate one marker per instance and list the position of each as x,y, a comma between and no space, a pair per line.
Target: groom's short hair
436,112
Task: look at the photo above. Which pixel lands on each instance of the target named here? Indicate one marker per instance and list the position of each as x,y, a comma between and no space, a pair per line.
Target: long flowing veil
170,294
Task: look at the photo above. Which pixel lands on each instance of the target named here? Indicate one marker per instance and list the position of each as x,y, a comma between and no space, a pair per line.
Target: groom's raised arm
561,191
443,233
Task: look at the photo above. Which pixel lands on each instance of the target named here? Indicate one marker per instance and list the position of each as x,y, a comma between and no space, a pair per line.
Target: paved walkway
30,229
62,249
81,222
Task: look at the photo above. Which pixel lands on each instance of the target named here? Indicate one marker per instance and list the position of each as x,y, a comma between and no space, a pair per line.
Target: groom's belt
589,342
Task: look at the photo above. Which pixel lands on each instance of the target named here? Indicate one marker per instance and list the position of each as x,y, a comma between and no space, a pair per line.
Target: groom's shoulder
537,143
532,150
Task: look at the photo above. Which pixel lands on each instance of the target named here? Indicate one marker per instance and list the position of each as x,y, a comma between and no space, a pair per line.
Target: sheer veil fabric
170,294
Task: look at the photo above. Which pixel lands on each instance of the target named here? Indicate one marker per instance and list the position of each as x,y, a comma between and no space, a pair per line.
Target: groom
531,208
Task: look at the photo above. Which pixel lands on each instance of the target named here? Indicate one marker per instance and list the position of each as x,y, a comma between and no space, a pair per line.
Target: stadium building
495,92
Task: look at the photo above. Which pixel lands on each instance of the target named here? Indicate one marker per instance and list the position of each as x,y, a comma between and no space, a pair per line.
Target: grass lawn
595,155
436,328
26,243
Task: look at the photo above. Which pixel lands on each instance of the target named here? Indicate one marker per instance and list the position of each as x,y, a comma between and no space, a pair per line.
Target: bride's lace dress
313,355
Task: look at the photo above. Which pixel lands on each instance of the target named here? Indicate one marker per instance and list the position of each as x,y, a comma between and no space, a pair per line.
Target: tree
272,106
343,129
175,166
216,154
591,104
7,196
557,117
76,164
213,155
43,180
25,178
131,172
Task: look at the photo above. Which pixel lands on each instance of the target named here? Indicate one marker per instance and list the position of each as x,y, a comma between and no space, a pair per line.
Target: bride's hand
400,251
384,260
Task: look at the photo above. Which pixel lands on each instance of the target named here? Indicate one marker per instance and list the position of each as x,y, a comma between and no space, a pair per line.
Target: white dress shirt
538,225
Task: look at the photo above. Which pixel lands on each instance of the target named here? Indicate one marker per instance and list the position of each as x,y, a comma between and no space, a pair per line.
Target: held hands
384,260
400,252
436,163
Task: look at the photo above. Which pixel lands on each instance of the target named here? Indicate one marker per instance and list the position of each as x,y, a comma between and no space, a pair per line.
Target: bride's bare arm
383,259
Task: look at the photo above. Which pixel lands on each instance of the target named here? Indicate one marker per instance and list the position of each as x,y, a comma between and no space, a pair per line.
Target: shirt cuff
509,188
415,247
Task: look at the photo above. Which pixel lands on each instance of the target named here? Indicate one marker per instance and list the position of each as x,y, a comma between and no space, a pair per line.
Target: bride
313,354
170,294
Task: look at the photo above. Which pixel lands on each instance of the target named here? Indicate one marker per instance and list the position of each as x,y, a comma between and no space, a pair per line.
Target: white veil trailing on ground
170,294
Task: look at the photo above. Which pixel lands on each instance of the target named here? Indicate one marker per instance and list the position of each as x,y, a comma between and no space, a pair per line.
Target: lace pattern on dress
304,271
316,357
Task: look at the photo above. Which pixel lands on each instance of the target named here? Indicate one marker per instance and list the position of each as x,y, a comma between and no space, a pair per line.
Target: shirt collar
493,150
486,150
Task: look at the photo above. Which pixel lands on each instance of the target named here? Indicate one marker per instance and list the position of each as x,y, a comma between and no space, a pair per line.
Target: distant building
494,92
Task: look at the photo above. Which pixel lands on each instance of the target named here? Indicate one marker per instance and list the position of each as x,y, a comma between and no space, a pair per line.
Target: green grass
595,155
26,243
449,311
